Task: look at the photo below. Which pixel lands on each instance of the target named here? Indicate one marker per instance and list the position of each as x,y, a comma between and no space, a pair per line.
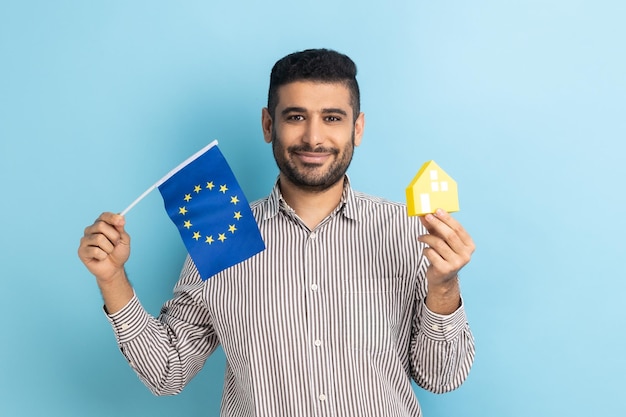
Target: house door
425,202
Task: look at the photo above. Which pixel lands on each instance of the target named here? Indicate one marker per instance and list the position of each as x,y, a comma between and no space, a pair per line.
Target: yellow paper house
431,189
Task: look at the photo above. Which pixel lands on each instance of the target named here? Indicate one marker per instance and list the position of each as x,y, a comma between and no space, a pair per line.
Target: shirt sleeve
168,351
442,349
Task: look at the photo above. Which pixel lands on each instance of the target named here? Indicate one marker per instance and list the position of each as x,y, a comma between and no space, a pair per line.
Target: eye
295,117
332,118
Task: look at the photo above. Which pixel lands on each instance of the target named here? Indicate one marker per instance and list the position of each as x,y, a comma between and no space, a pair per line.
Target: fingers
449,246
101,238
441,223
115,220
97,245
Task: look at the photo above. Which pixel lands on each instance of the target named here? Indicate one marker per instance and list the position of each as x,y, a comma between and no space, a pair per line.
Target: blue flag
208,207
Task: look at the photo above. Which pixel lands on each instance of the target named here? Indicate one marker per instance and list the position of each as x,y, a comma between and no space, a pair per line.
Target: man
350,301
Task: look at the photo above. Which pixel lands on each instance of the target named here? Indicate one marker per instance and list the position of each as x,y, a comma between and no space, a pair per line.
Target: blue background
522,102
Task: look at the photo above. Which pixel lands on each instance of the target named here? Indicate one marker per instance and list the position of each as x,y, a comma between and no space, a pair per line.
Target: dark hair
321,65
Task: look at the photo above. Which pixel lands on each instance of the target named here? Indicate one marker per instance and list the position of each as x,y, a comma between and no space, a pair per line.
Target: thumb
119,224
119,221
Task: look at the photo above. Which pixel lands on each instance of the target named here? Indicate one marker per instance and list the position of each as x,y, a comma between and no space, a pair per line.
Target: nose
313,132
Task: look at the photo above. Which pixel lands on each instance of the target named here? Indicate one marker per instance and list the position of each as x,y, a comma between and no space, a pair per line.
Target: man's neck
311,206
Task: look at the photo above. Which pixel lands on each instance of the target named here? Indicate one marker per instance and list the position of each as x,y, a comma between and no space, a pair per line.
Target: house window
435,185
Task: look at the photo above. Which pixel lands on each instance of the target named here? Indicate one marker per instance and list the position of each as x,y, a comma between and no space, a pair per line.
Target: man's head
315,65
313,120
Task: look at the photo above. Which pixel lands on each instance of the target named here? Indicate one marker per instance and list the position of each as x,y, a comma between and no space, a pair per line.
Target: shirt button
449,327
314,287
435,327
313,235
318,343
322,397
124,326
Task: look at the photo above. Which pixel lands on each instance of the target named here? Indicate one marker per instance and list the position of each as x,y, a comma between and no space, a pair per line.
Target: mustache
308,148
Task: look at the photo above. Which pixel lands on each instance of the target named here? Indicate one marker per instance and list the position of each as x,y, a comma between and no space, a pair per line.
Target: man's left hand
449,249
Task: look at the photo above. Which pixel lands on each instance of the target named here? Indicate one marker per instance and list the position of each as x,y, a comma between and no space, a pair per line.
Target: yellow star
232,228
223,188
187,224
209,239
221,237
182,210
196,235
197,189
237,215
210,185
234,199
187,197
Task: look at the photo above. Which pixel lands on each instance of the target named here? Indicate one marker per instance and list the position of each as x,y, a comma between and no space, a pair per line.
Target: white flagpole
141,197
169,175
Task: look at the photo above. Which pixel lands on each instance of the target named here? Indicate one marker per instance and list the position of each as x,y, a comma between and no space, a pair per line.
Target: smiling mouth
311,156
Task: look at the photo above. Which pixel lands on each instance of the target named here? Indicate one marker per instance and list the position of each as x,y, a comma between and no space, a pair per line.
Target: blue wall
523,102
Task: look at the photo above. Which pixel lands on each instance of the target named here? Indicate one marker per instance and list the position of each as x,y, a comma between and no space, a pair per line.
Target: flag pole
141,197
169,175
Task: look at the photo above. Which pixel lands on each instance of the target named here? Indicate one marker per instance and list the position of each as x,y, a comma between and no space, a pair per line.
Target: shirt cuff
129,322
443,327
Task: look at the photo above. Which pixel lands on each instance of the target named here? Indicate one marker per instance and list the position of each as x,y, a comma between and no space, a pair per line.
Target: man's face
313,133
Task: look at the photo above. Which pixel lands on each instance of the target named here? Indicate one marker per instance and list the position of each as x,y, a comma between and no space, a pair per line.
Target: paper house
431,189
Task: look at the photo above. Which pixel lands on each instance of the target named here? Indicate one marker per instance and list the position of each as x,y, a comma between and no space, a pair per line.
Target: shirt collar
347,205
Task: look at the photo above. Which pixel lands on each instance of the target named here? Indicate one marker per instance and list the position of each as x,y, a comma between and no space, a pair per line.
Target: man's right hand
104,249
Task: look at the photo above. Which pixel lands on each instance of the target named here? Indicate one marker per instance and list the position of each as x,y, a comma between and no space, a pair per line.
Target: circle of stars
197,235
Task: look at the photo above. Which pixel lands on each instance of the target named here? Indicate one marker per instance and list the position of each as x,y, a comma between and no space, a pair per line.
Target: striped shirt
324,322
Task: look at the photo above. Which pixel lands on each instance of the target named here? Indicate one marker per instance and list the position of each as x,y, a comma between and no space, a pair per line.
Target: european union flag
208,207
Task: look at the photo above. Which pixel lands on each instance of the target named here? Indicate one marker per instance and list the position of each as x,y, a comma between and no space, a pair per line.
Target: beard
309,176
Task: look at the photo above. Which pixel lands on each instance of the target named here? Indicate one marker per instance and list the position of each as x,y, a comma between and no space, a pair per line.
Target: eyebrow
295,109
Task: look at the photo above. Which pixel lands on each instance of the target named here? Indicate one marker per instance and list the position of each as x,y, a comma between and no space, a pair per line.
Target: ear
267,124
359,126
